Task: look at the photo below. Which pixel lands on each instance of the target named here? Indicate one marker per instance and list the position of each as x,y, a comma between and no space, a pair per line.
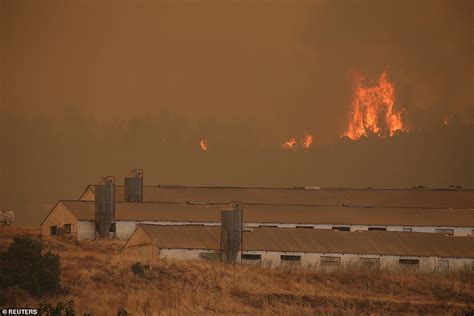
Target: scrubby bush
24,265
62,308
137,269
14,295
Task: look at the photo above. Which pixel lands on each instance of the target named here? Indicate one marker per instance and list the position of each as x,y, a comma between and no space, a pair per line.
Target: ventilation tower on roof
133,186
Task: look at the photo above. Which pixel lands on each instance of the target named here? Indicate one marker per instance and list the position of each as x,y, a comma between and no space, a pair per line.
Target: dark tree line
43,160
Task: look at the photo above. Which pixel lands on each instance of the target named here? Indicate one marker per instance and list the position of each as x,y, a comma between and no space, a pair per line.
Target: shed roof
316,241
436,198
278,213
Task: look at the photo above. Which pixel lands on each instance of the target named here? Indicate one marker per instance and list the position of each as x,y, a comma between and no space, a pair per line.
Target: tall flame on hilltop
307,140
289,144
372,109
203,145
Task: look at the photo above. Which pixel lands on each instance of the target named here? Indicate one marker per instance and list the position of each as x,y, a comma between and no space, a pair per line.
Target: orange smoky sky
272,63
98,87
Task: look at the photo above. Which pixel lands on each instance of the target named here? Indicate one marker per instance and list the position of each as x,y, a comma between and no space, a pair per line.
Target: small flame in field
203,145
447,119
289,144
372,109
307,140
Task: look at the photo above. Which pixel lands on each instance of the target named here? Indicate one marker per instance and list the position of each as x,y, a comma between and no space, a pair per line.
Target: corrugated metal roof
317,241
436,198
191,237
272,213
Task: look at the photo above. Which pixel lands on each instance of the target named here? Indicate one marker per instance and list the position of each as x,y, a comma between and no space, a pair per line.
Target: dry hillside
100,281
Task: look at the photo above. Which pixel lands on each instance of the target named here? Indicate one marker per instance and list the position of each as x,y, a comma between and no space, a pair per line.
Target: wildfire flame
203,145
370,105
307,141
447,119
289,144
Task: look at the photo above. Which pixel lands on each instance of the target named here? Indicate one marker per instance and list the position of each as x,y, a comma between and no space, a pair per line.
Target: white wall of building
85,230
458,231
184,254
125,229
272,259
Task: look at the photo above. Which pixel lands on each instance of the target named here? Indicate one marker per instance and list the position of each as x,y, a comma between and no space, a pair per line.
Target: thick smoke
92,88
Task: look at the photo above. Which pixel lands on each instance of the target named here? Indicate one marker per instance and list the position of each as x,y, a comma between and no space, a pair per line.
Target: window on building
409,263
443,265
370,262
330,261
112,228
382,229
304,226
447,231
267,225
67,228
251,256
407,229
288,259
342,228
53,230
210,256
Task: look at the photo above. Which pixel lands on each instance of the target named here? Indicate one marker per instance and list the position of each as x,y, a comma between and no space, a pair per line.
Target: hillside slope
101,281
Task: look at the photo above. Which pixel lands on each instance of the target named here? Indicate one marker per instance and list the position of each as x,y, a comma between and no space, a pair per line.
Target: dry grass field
100,281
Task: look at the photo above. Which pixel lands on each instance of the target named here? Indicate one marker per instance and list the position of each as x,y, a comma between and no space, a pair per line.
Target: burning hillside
373,109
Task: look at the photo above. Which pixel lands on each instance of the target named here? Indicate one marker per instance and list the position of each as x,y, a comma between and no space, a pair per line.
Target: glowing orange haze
369,105
203,145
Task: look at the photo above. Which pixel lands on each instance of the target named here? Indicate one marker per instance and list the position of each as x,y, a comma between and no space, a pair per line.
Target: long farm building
270,246
419,229
78,217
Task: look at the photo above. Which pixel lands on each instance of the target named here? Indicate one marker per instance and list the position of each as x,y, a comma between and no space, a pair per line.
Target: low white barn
269,246
77,218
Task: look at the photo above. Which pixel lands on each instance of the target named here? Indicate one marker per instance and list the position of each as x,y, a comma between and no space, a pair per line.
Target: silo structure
133,186
105,206
239,206
231,234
